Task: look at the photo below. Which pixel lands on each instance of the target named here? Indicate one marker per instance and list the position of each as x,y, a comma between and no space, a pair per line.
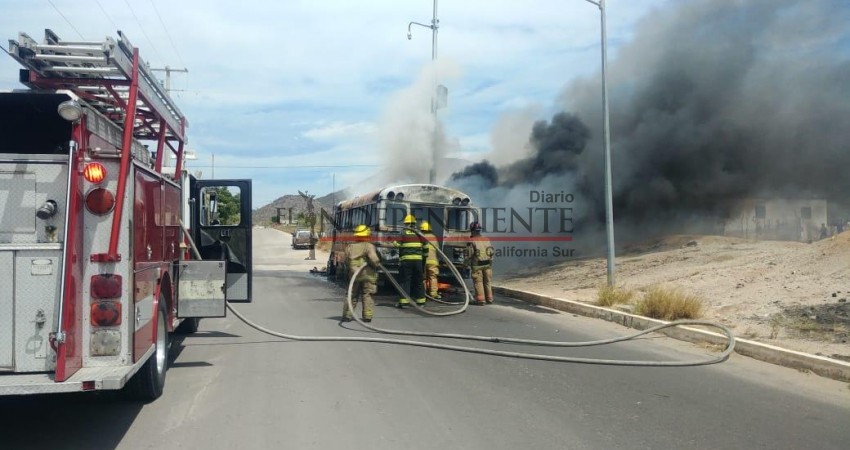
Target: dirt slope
790,294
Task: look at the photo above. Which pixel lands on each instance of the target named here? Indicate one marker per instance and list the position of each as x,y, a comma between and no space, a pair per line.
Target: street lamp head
409,35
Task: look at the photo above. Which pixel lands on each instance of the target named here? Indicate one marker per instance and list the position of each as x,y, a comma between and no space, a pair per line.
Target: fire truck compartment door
201,289
7,311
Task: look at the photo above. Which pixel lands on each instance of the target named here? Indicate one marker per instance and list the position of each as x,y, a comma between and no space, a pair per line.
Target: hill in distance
264,214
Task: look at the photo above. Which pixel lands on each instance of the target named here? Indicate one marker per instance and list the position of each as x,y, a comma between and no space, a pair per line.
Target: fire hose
720,357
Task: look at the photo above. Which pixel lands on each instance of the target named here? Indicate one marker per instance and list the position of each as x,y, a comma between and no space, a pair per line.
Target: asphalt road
230,386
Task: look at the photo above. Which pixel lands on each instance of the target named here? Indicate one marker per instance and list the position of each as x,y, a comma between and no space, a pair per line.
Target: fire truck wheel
149,381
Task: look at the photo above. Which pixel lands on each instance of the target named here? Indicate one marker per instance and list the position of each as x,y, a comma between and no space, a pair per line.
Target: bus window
359,216
458,218
434,215
395,214
372,218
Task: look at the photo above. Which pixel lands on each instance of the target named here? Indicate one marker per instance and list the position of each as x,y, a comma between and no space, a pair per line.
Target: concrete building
776,218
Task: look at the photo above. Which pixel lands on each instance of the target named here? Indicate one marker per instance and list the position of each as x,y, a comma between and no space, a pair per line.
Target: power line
153,47
66,19
107,15
341,166
179,57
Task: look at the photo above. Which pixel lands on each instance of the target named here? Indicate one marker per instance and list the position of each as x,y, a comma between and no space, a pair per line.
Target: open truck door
220,224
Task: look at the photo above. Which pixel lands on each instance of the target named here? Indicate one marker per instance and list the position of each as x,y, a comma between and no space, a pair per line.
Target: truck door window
221,206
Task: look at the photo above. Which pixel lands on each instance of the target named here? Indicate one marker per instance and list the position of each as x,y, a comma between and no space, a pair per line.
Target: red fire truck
96,227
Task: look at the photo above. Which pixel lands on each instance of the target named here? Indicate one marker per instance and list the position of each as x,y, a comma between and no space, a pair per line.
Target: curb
823,366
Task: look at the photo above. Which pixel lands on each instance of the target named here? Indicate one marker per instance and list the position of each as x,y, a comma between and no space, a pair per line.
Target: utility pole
168,71
435,25
311,217
606,142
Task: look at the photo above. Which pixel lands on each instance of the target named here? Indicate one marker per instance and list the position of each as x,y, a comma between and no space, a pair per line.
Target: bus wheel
149,381
331,272
188,326
341,270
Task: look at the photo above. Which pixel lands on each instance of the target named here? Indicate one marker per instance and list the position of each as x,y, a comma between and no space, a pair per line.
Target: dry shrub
610,296
669,304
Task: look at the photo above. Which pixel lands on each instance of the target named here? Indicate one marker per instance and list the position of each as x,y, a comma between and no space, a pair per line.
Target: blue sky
277,88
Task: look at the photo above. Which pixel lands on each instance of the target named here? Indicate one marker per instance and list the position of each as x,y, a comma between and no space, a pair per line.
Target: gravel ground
790,294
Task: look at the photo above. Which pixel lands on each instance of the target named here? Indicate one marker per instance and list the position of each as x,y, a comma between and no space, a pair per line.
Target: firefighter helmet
362,231
410,219
475,226
425,226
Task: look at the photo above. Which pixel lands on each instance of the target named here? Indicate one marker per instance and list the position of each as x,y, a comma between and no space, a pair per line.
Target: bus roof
422,193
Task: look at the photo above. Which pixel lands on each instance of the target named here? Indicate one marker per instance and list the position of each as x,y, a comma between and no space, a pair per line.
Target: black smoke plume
558,146
483,170
712,102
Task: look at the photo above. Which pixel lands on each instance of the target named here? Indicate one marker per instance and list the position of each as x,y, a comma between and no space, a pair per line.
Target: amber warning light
94,172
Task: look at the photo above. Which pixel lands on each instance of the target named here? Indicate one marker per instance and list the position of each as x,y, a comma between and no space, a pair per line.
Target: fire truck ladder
111,78
103,74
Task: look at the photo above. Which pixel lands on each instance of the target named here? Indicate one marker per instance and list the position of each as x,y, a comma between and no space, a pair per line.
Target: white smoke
406,129
509,137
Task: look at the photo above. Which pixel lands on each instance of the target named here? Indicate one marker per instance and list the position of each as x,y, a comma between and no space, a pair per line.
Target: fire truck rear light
106,286
100,201
105,342
106,314
94,172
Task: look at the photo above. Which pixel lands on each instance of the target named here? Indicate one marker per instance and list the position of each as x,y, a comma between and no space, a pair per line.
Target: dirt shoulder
793,295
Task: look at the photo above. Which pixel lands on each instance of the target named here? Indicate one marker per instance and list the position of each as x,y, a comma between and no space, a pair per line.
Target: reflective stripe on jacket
410,247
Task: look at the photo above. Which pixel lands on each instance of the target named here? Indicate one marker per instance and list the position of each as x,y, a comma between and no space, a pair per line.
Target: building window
806,212
760,212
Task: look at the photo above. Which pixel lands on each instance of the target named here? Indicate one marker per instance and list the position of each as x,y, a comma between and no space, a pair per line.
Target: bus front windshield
395,214
459,218
433,214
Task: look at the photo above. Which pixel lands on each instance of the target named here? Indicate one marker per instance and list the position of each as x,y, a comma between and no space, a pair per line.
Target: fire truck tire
149,381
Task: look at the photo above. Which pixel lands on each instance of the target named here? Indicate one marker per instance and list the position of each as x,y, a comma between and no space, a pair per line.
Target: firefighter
432,264
410,268
480,259
356,254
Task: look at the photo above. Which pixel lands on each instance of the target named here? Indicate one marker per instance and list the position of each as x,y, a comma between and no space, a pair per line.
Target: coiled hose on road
722,356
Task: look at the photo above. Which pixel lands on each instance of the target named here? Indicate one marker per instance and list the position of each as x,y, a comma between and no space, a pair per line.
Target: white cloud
341,130
303,81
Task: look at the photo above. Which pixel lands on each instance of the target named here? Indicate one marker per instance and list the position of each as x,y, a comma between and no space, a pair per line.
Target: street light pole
606,142
435,25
